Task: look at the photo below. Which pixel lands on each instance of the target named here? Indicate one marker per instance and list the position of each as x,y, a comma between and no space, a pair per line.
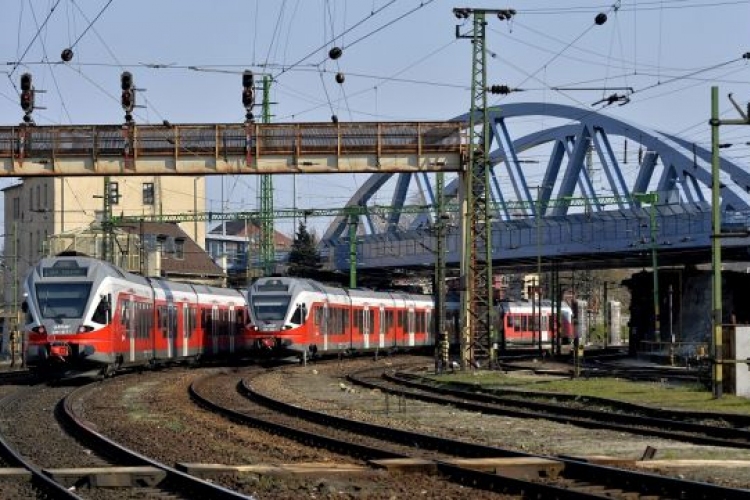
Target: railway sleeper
14,473
107,477
314,469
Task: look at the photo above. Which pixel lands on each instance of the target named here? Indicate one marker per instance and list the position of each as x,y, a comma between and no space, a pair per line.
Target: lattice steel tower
477,336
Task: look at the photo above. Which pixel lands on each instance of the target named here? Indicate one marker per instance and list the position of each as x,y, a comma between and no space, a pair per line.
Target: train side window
297,316
101,313
317,316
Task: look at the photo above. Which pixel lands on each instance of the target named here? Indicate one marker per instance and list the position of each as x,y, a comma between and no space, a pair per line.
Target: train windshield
270,307
62,300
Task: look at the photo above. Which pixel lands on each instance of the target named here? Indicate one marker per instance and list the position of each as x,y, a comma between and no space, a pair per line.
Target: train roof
78,266
291,285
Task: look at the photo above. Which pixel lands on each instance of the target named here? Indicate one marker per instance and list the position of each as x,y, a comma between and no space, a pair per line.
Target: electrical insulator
335,53
600,18
66,55
500,89
506,14
340,78
334,119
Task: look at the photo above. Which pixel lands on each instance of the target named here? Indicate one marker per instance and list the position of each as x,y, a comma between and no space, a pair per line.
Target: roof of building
247,228
195,261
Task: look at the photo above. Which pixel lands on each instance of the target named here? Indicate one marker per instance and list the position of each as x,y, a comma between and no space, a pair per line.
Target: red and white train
296,316
520,322
86,315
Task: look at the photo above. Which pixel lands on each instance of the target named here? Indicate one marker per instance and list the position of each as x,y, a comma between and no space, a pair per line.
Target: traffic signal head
248,80
128,100
27,101
248,89
128,92
126,80
26,81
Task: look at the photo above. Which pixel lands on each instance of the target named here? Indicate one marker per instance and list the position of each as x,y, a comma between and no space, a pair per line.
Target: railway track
713,429
90,465
484,467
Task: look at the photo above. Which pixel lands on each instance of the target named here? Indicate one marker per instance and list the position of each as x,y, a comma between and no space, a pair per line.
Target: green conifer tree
304,258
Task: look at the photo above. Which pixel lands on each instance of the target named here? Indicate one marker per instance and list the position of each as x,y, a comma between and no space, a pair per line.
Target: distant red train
86,315
526,324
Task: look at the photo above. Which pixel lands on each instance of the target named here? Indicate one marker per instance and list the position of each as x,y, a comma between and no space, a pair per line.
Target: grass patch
656,394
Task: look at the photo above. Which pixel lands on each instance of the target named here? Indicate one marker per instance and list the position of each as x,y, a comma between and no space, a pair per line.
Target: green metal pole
716,298
267,250
353,250
655,266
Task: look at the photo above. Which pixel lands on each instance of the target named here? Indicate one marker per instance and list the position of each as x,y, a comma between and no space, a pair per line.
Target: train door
171,330
381,327
410,327
185,337
132,327
232,328
214,333
324,326
366,327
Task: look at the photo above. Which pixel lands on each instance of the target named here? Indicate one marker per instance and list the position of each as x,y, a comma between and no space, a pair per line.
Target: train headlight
85,329
40,330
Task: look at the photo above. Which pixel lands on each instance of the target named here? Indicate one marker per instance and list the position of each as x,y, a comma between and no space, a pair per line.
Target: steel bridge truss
580,180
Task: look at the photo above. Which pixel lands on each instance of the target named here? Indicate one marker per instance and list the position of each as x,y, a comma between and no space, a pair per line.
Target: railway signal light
27,96
127,100
248,93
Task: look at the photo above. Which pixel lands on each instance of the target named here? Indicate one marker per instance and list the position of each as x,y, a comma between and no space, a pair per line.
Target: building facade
234,245
38,207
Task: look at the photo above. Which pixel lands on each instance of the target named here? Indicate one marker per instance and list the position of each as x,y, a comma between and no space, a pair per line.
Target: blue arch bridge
582,190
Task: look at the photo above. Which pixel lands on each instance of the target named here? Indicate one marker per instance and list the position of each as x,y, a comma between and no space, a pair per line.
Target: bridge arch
534,170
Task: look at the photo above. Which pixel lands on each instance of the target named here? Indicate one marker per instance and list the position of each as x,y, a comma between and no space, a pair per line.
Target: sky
401,60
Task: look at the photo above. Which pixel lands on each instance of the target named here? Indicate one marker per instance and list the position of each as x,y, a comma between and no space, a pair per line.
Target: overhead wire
91,24
33,39
318,49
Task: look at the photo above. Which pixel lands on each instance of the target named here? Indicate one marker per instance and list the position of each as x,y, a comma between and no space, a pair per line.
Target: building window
179,248
148,193
38,197
31,198
46,196
16,208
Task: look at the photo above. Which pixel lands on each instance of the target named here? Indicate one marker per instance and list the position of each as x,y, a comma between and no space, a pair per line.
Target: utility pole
14,333
107,226
476,222
267,247
441,337
353,220
716,297
652,199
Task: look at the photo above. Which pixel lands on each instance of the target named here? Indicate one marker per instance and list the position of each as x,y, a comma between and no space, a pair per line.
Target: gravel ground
153,414
324,387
